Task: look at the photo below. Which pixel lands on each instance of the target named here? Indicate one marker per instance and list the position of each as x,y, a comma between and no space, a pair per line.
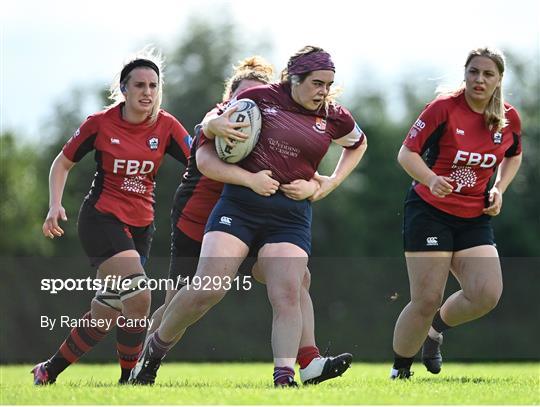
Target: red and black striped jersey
455,142
128,157
196,195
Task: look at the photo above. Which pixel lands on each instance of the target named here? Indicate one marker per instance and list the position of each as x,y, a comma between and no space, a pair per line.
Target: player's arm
347,162
415,166
505,174
57,181
300,189
179,143
211,166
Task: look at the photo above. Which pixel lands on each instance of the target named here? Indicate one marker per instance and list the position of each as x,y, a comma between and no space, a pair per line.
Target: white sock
393,373
433,334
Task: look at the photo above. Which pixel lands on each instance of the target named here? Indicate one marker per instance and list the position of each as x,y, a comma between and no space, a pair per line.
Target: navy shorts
426,228
257,220
103,235
185,253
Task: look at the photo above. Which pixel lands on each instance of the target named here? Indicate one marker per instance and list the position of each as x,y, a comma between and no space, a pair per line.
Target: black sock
400,362
56,365
129,344
438,324
124,377
80,340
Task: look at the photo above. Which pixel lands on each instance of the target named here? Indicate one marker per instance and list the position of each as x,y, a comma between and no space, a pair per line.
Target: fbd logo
153,143
417,127
75,135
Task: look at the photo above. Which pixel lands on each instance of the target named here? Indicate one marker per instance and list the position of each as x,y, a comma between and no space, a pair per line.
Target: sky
50,47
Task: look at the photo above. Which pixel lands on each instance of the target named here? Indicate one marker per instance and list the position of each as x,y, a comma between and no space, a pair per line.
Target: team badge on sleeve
416,128
153,143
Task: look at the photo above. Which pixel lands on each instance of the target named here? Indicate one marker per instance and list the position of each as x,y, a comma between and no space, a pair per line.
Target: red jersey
457,144
128,157
196,195
294,140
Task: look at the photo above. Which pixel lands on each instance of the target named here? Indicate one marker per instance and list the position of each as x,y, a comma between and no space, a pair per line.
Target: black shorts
184,252
427,229
257,220
103,235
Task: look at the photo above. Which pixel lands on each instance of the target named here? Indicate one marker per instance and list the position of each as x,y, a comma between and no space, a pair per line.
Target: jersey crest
320,125
153,143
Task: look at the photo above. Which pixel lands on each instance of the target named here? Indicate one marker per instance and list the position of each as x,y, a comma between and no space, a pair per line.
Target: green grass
235,383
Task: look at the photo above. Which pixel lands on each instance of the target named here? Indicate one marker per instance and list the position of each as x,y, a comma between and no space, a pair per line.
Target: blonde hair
115,93
494,114
253,68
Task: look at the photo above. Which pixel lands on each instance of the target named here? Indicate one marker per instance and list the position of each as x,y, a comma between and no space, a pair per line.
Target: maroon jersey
128,157
457,144
294,140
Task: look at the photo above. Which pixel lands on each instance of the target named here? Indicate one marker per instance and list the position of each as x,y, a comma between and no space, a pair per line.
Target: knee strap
133,287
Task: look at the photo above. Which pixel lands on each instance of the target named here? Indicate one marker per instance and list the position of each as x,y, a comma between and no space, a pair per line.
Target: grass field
235,383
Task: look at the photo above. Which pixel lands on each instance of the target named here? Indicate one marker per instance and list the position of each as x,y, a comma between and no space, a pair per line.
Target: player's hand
50,226
222,126
440,186
262,183
495,202
300,189
327,185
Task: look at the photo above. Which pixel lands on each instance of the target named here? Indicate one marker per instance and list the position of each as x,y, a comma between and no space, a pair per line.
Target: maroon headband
315,61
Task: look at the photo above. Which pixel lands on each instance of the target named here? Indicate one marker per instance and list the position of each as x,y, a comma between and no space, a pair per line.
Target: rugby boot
431,354
402,374
324,368
41,375
145,372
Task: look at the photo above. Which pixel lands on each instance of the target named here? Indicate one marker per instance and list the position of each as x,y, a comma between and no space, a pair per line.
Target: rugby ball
247,111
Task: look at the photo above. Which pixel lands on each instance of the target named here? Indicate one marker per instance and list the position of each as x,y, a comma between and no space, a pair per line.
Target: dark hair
137,63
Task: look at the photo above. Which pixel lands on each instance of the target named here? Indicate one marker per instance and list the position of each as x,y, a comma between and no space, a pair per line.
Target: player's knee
137,306
101,311
106,304
427,305
286,295
489,299
135,296
206,299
